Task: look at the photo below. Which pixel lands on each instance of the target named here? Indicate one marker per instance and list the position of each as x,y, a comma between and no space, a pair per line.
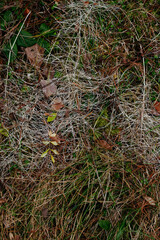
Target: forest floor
79,120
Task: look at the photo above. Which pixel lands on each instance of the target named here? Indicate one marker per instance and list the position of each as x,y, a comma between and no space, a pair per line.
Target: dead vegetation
84,75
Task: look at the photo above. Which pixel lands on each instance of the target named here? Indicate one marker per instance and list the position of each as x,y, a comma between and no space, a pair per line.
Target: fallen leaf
54,137
105,145
45,83
157,106
51,135
150,200
11,237
55,151
45,142
48,72
44,153
51,117
52,158
45,212
35,55
54,143
49,88
26,12
86,3
87,57
57,104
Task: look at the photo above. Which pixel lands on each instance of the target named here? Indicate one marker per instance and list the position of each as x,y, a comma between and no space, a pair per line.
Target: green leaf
44,153
43,28
54,6
52,117
7,50
43,43
105,224
4,132
25,39
7,16
52,158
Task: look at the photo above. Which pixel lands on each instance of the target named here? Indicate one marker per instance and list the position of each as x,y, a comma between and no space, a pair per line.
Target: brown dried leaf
11,237
35,55
48,72
157,106
57,104
45,212
87,57
54,137
104,145
49,88
150,200
44,83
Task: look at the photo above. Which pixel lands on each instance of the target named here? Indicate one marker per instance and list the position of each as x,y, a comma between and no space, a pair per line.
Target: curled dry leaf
150,200
54,137
87,57
157,106
57,104
26,12
49,88
104,144
11,237
35,55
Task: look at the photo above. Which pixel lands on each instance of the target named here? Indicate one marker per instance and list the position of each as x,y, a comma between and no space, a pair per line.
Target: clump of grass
97,197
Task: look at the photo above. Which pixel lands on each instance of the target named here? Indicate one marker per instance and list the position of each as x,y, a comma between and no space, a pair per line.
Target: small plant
23,38
54,141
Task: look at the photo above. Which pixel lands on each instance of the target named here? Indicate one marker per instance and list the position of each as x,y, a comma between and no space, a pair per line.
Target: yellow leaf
54,143
51,134
52,158
45,142
55,151
51,117
44,153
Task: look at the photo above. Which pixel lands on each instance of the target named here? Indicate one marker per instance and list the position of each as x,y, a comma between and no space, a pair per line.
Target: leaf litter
35,55
57,104
157,106
49,88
